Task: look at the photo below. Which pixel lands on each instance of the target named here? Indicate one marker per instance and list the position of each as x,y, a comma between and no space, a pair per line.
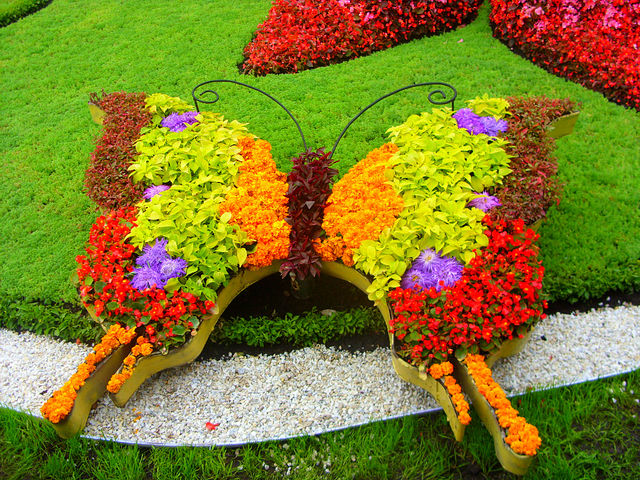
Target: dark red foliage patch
533,186
593,43
309,189
302,34
107,180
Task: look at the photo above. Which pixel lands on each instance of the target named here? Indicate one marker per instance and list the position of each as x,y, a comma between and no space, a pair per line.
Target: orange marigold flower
130,360
258,204
362,204
436,371
522,437
447,368
146,349
116,382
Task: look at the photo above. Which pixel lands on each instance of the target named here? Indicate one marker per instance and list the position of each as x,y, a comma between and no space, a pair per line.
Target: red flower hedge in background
302,34
594,43
107,180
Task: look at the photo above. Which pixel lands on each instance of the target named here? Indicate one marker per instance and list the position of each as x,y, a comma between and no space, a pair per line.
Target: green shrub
299,330
64,321
13,10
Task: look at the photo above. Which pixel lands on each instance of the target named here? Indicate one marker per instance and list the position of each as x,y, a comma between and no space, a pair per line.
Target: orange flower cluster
61,402
445,369
522,437
142,348
258,204
363,203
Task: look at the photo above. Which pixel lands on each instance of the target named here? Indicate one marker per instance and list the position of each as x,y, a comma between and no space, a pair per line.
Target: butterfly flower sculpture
411,223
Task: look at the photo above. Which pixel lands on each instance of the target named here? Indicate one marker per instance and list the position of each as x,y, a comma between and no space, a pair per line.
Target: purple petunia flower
147,277
173,268
485,202
154,256
176,122
429,269
469,121
493,127
475,124
154,190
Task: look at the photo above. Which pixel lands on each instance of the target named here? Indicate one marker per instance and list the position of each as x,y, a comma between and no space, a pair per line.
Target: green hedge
13,10
298,330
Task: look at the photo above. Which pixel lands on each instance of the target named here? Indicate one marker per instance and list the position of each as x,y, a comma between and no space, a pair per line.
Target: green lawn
51,61
589,431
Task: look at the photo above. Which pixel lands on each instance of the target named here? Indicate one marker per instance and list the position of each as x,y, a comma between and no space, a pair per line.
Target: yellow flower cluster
362,204
445,369
523,438
61,402
258,204
142,348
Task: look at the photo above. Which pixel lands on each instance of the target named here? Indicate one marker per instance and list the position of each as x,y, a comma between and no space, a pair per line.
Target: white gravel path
306,391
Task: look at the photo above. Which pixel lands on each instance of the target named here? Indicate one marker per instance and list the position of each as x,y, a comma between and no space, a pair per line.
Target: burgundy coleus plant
310,183
107,181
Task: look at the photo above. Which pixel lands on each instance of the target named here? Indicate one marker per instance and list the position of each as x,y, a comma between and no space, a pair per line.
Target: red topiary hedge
594,43
302,34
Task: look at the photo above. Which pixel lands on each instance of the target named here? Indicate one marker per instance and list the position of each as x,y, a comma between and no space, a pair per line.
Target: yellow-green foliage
206,152
486,106
436,170
201,165
161,105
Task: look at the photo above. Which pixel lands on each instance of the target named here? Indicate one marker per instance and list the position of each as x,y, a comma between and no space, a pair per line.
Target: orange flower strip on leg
142,348
522,437
445,369
61,402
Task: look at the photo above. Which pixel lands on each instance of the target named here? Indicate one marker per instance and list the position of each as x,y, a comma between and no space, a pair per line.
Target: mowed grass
589,431
54,58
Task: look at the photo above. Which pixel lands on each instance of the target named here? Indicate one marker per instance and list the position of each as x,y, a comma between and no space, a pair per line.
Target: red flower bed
594,43
303,34
162,318
497,298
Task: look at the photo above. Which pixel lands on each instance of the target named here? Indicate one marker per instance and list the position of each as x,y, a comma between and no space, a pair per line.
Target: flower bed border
511,461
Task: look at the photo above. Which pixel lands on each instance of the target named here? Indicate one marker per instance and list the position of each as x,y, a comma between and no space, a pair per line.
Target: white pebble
307,391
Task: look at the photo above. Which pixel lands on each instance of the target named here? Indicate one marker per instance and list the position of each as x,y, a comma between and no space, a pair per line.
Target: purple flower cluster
154,190
429,269
176,122
156,267
475,124
485,202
